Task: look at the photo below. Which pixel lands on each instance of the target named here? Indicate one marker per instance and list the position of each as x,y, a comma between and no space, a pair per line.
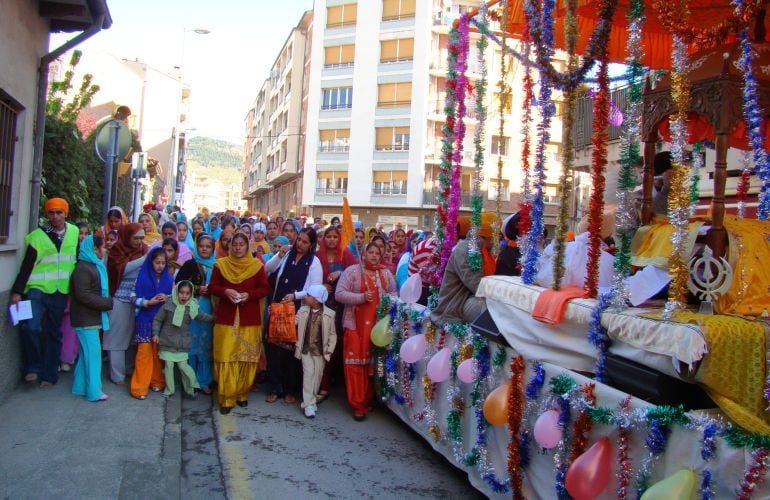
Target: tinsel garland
534,387
659,419
447,144
583,423
755,473
598,337
525,203
598,41
542,21
625,217
477,198
697,165
561,387
453,204
742,190
515,412
674,16
623,473
678,196
753,115
567,152
707,452
598,165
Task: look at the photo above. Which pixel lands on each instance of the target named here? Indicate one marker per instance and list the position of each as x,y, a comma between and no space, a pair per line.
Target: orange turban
487,219
57,204
463,226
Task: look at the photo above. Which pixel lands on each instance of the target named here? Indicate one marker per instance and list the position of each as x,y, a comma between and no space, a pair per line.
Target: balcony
434,155
331,191
582,130
333,148
285,172
338,65
392,147
380,189
431,198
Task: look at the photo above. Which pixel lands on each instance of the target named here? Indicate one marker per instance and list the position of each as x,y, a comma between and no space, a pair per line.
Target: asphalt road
273,451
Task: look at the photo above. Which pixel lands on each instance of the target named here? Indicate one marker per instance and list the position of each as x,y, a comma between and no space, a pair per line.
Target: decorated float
663,400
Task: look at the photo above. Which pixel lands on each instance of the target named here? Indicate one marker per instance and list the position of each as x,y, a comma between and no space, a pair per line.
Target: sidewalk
56,445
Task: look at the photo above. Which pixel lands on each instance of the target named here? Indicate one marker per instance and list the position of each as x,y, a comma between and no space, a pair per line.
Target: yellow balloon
381,334
681,485
496,405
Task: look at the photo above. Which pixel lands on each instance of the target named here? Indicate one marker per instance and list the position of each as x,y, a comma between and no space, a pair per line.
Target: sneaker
65,367
310,411
156,389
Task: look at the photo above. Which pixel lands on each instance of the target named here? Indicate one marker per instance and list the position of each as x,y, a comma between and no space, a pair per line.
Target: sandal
207,391
271,398
322,396
289,400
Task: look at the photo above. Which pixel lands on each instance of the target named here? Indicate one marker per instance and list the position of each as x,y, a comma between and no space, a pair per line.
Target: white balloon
411,289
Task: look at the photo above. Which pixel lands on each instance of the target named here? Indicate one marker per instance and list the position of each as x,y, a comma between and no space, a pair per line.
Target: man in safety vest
44,279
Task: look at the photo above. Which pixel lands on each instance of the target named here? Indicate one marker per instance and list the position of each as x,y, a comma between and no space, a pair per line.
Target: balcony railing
388,190
398,17
333,148
431,198
582,130
338,65
394,104
392,147
344,105
331,191
397,60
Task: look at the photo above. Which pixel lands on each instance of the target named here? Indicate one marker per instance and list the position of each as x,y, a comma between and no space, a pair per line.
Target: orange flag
347,224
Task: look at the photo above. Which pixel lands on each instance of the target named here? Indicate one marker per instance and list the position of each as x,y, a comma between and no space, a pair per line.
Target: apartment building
274,146
375,111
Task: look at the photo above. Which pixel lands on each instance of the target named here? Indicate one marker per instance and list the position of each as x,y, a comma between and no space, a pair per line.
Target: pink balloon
411,289
413,349
466,371
589,474
547,430
440,365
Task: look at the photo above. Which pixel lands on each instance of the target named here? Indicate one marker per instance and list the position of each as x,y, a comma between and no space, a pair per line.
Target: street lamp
177,147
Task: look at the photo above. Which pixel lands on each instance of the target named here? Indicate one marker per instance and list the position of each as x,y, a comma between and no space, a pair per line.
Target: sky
225,68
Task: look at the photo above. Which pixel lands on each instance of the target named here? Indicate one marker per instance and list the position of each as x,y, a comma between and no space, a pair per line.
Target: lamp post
178,136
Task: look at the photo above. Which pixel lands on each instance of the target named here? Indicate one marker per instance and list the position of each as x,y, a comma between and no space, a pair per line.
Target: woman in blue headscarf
198,271
212,227
90,301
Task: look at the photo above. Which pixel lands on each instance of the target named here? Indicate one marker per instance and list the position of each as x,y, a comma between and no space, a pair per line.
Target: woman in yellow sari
240,281
151,233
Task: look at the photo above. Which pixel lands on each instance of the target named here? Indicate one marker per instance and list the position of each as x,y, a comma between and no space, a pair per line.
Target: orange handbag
282,324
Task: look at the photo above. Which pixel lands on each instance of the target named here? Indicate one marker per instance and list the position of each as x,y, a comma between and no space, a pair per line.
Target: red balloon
589,474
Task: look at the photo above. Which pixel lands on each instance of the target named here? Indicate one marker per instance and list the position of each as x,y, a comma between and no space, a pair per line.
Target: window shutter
334,15
388,50
349,13
332,55
406,48
389,8
384,137
348,53
387,93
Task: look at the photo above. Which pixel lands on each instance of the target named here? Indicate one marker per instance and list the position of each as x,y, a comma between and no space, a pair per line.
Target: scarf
341,255
238,269
87,254
216,231
292,276
184,253
219,249
148,285
188,240
180,308
122,253
152,235
208,264
105,230
488,263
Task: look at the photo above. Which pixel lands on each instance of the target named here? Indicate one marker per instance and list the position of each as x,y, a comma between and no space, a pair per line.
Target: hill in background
207,152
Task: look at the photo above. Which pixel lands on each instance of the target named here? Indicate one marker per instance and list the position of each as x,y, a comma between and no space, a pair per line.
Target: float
663,400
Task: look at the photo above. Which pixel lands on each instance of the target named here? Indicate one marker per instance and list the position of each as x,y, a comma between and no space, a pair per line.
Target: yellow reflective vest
52,268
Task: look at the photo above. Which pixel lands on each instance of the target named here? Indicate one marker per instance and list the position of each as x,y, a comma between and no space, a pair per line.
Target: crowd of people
231,301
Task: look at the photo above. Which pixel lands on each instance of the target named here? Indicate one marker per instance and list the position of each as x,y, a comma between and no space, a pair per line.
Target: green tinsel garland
501,356
562,384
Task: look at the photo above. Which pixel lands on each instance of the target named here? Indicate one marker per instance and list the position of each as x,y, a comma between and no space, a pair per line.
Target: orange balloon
496,405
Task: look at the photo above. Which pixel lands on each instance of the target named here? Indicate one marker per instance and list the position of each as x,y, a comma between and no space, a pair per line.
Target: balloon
411,289
381,334
413,349
440,365
680,485
590,473
466,371
547,430
496,405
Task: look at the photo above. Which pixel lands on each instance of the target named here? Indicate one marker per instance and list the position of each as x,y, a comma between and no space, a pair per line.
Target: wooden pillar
718,234
648,176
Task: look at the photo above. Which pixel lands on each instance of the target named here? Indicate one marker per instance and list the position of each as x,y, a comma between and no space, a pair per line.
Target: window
331,183
337,98
492,190
550,194
500,145
334,141
339,56
389,183
397,9
392,139
340,16
394,95
398,50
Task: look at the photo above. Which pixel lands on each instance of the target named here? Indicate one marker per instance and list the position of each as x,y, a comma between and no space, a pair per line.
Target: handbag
282,326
